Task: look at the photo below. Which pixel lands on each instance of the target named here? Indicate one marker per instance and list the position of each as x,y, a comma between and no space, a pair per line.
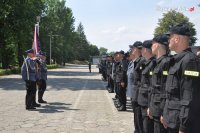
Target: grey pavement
77,103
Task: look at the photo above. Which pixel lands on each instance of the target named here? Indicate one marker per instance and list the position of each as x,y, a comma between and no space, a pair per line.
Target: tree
93,50
103,51
17,20
172,18
81,44
16,24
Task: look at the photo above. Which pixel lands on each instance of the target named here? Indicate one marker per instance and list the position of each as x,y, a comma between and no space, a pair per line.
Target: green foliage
103,51
17,70
52,66
10,71
172,18
111,53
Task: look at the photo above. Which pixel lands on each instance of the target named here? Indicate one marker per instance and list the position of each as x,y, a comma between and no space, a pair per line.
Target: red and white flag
36,41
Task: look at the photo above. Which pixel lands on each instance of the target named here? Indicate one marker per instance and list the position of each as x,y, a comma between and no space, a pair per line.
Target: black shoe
42,101
114,99
36,105
30,108
122,108
111,91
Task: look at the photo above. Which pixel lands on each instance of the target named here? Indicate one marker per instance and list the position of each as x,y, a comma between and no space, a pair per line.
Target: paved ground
77,102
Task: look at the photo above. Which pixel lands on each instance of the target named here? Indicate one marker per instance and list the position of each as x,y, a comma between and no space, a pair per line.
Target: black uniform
103,69
110,85
138,67
144,93
121,76
182,108
158,93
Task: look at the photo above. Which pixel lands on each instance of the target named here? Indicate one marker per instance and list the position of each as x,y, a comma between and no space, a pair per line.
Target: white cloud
107,31
121,29
161,3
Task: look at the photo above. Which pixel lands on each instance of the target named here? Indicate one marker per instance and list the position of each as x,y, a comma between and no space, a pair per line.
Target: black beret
162,39
137,44
180,29
147,44
122,52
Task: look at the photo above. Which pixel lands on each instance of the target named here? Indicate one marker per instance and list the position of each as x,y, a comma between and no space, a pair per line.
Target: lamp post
50,46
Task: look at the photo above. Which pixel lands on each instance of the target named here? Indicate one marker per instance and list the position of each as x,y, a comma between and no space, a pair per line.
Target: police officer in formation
159,76
144,90
120,80
164,89
182,109
103,68
33,74
109,63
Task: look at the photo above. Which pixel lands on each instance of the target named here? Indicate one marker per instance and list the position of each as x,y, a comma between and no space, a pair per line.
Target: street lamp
50,46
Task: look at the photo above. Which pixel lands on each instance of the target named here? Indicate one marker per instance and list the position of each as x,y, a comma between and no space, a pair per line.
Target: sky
116,24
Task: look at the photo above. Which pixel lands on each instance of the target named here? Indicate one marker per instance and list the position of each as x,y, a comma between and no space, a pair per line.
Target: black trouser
116,90
41,89
109,78
111,84
122,95
170,130
121,92
147,122
158,126
104,75
30,93
90,70
137,117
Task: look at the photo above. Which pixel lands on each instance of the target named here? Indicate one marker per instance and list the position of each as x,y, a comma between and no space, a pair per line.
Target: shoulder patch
191,73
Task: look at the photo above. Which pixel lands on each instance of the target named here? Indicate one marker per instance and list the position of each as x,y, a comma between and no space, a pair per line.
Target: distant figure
89,65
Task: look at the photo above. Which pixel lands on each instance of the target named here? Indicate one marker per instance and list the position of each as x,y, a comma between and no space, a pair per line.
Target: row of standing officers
164,89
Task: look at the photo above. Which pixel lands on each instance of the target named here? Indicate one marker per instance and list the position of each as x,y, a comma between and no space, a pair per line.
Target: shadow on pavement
71,73
56,107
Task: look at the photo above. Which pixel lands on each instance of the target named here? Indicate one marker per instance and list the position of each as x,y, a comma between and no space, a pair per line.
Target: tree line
57,23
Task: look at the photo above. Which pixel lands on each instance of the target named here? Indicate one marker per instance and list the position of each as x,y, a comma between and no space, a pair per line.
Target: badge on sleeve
150,73
165,73
191,73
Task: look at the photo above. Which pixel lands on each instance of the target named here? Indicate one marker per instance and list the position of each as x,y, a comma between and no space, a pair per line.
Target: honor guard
42,82
28,71
182,109
144,90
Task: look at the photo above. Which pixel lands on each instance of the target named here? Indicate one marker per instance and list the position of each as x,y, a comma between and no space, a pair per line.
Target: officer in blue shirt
28,71
43,77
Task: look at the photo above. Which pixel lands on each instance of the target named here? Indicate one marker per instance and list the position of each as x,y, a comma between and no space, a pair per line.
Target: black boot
34,102
40,99
122,108
28,102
